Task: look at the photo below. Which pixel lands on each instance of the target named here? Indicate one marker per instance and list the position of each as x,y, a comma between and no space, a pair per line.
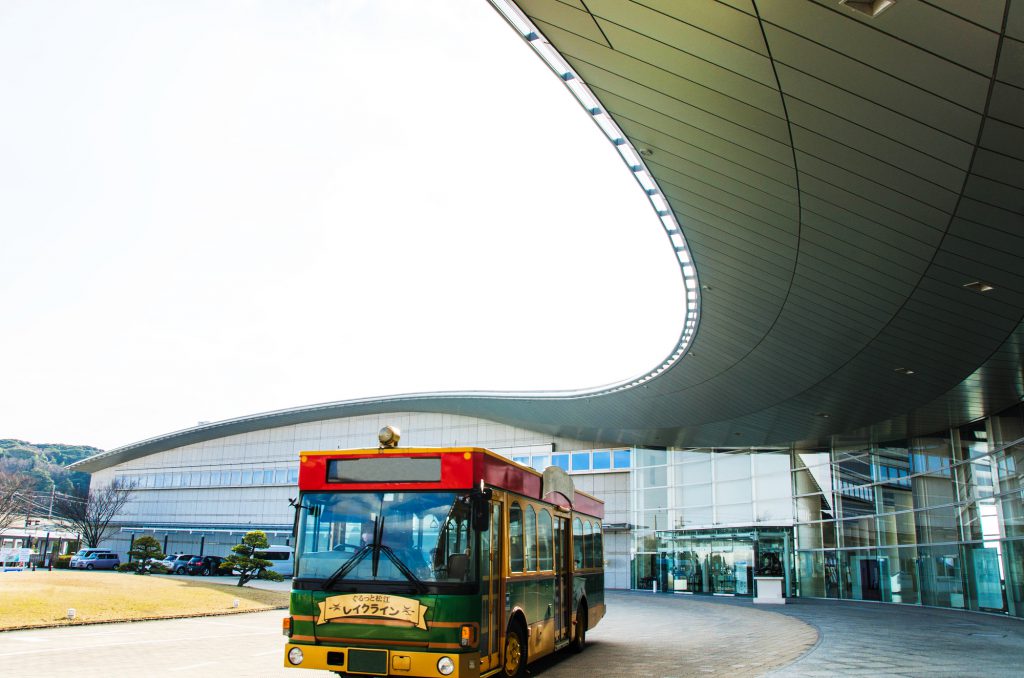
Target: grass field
42,598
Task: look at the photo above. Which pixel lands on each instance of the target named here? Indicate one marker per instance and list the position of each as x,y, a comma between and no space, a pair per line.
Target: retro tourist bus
439,562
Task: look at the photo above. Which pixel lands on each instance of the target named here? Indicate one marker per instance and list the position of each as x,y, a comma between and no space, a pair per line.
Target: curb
64,625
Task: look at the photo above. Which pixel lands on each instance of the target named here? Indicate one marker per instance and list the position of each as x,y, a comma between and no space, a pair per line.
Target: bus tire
579,642
513,661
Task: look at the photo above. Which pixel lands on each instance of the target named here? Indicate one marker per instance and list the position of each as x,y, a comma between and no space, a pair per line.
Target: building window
581,461
602,460
621,459
561,461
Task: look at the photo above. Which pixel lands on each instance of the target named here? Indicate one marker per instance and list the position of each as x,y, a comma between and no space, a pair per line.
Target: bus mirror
481,510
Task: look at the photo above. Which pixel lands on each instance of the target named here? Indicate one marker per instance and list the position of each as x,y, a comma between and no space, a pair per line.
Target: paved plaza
644,635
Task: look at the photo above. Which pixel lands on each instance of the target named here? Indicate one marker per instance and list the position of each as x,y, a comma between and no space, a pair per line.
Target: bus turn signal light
286,626
467,636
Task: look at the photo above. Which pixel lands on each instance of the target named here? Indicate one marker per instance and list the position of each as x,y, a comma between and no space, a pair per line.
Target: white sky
212,209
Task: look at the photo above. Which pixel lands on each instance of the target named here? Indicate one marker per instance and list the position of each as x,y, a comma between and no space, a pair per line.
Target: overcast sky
212,209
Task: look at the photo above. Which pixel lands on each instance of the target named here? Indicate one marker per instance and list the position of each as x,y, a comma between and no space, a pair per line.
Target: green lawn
42,598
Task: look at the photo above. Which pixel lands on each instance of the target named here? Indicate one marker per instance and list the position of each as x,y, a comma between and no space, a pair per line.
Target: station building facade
935,520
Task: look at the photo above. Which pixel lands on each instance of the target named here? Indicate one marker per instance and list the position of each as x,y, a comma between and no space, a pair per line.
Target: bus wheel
580,641
514,664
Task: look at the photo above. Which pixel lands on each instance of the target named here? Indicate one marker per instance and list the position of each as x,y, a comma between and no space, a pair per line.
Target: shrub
245,561
62,562
145,553
143,567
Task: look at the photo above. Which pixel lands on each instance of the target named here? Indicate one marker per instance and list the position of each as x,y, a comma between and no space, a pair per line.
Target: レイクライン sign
373,605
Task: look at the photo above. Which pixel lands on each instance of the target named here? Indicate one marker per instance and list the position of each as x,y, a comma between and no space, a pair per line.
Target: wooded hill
45,463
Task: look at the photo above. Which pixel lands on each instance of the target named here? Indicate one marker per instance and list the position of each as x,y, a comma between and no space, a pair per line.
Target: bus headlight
445,666
295,656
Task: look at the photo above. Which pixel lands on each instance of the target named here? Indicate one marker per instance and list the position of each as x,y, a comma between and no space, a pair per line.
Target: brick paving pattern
870,639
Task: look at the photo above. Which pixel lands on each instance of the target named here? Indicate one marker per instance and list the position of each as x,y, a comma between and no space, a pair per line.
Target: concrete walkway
861,639
643,635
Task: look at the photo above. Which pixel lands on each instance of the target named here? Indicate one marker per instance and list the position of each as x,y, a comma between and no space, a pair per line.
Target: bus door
491,587
563,584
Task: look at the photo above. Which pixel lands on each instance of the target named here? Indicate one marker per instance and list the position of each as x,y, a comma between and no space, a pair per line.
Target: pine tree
244,560
145,553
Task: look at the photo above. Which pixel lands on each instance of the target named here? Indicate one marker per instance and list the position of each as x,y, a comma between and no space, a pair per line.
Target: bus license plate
372,662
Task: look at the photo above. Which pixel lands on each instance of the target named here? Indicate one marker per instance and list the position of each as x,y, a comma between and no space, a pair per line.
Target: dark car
178,563
207,565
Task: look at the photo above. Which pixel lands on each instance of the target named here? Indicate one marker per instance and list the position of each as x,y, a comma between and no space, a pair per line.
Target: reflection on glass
429,533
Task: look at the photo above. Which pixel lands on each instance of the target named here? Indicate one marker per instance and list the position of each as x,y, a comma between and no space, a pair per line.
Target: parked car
206,566
99,561
84,553
178,563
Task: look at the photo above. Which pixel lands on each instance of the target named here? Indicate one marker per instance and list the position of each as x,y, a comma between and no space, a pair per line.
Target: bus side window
531,539
599,541
515,538
588,544
577,543
544,541
595,546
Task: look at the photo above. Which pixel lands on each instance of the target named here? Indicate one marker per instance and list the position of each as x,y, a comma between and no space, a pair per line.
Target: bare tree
13,490
92,515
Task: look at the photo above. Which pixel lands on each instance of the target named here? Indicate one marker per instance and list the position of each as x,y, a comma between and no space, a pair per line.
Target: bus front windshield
421,538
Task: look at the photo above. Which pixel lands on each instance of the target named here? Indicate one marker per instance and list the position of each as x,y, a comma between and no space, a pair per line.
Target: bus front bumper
370,661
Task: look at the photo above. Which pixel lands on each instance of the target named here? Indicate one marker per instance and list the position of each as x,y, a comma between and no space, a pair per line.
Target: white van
282,557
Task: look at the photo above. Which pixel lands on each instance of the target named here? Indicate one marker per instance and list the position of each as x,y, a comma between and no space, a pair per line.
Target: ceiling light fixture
903,370
871,8
979,286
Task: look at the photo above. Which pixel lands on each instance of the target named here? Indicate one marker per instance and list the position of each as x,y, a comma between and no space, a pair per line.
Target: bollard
71,613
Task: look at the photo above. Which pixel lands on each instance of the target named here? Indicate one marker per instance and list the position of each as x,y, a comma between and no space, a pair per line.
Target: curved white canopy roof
851,191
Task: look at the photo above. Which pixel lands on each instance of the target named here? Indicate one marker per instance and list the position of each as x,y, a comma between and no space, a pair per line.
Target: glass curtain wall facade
936,520
708,521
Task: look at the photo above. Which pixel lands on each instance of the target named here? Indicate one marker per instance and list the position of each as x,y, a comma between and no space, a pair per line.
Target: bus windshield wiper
404,569
347,566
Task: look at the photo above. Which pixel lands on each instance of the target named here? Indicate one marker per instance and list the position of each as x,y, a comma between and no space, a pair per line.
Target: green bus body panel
534,596
446,608
593,586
